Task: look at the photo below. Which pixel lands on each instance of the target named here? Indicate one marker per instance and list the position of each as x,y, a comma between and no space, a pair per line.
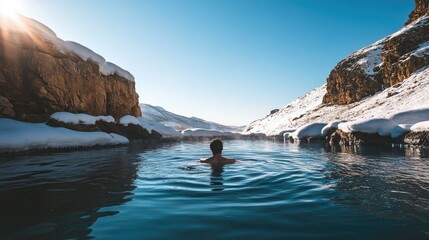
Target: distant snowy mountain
156,116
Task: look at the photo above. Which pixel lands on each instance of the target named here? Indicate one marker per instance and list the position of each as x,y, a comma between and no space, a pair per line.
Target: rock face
132,132
37,79
417,138
357,138
421,9
384,63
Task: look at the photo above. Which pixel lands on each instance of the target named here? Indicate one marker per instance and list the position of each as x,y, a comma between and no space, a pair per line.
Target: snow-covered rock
400,129
381,126
287,133
411,116
331,126
80,118
309,130
420,127
27,25
22,136
65,76
128,119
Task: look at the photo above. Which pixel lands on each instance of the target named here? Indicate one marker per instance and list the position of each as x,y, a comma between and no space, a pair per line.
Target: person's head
216,146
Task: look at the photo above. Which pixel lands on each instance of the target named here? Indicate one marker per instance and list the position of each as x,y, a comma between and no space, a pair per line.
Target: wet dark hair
216,146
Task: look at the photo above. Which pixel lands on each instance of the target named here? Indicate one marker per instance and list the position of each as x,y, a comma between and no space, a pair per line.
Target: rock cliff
41,74
384,63
421,9
387,77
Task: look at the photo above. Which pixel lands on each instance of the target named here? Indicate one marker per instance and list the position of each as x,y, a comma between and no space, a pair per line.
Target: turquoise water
275,191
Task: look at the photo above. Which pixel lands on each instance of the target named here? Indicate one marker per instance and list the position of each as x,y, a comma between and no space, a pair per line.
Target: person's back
217,159
216,146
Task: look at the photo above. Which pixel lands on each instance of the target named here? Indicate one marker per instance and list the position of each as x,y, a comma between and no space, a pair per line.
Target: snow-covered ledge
16,136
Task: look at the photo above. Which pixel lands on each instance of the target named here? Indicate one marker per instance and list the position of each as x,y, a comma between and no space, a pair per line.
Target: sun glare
9,8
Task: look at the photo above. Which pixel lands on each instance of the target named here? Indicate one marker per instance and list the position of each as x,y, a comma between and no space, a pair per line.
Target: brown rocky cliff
383,64
37,79
421,9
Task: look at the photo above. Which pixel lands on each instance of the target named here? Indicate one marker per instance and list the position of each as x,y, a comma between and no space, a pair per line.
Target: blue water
274,191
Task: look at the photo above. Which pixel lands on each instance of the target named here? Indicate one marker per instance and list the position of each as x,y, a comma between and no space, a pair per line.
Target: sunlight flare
8,8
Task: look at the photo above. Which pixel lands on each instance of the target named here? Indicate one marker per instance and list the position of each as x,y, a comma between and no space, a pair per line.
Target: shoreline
156,143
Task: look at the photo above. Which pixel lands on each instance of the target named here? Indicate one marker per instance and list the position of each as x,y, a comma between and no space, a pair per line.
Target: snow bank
411,117
382,126
400,129
105,68
420,127
80,118
29,26
21,136
330,126
309,130
164,130
287,133
128,119
199,132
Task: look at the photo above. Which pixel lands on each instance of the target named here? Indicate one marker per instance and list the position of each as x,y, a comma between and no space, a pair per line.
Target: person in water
216,146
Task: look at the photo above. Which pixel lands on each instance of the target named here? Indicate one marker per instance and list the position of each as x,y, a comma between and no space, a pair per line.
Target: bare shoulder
207,160
230,160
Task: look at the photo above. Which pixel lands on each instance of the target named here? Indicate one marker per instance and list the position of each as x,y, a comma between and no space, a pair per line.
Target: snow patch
420,127
400,129
309,130
418,22
382,126
411,117
165,131
22,136
288,133
128,119
422,50
80,118
371,60
332,125
199,132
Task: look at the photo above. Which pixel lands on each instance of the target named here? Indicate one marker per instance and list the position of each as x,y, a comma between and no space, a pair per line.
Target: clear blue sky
228,61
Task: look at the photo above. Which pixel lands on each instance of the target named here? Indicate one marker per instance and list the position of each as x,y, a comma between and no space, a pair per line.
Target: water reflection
276,191
59,195
389,182
216,179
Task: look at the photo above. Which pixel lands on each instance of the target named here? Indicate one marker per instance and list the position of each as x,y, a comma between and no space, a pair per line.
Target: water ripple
274,191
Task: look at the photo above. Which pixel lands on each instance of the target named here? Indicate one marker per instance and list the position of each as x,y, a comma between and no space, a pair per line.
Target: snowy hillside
410,94
172,125
363,65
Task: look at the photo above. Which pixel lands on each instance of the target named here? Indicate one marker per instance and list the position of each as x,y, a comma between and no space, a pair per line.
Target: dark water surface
275,191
